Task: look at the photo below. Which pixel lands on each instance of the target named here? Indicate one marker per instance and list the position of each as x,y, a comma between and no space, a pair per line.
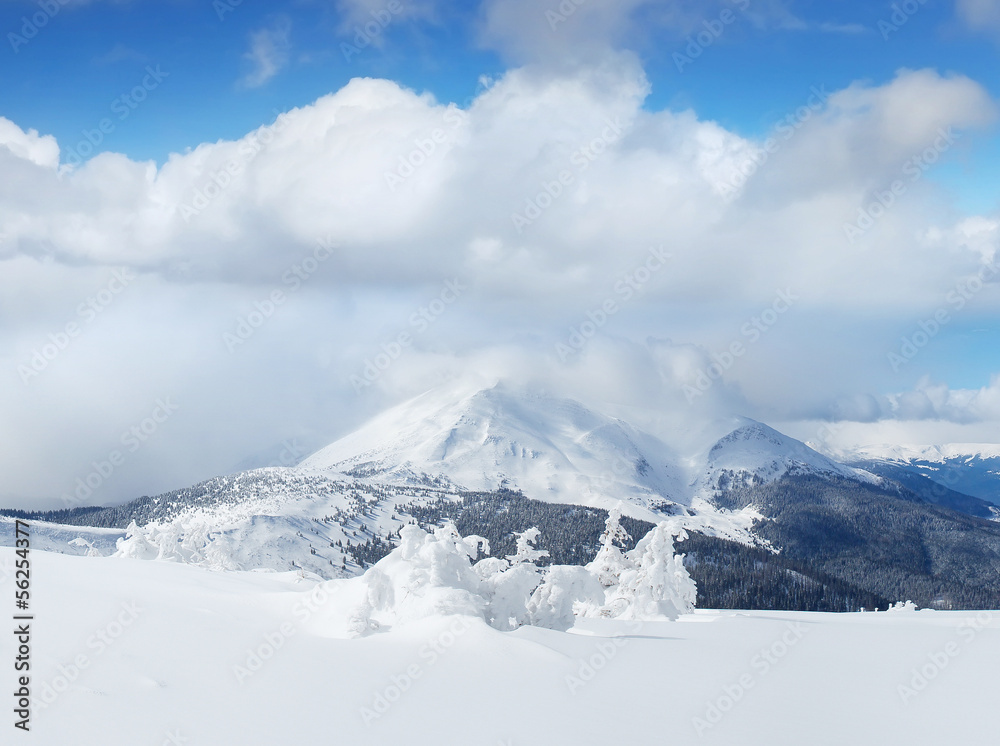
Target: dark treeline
729,575
570,533
890,543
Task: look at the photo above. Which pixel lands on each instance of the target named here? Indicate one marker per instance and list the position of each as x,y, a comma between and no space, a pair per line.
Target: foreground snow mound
434,574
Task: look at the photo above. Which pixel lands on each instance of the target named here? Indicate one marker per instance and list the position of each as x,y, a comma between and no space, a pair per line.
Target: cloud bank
378,242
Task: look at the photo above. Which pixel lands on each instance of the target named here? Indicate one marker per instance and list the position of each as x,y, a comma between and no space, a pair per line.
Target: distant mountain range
947,474
882,523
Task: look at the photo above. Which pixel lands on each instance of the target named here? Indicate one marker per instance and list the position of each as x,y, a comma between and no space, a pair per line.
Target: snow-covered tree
219,555
135,545
167,539
508,584
566,592
176,541
657,585
610,562
194,542
92,551
525,550
428,574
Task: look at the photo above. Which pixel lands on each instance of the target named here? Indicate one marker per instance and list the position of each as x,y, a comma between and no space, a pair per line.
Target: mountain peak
553,448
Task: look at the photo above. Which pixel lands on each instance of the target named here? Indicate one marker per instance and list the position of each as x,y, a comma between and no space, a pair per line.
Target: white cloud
413,192
268,54
39,150
566,34
980,15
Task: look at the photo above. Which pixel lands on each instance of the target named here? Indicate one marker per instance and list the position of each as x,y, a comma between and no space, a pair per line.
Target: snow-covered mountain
357,490
553,449
558,450
755,453
449,453
968,468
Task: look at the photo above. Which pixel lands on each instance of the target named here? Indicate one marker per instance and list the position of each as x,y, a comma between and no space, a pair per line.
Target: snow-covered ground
130,652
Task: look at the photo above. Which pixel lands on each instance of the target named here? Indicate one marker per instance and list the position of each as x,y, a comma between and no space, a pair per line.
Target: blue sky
672,134
63,80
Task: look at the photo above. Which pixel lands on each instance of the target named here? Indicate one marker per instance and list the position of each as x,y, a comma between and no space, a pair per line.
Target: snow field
163,643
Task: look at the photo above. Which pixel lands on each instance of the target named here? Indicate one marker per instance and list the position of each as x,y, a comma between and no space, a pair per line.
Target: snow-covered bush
176,541
432,574
507,585
92,551
436,573
428,574
567,592
135,545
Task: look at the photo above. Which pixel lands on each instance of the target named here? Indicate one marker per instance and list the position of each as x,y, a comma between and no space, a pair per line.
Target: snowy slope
161,644
969,468
275,518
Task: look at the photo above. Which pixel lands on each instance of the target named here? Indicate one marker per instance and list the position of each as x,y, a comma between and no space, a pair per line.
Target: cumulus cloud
543,199
411,190
929,400
30,146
